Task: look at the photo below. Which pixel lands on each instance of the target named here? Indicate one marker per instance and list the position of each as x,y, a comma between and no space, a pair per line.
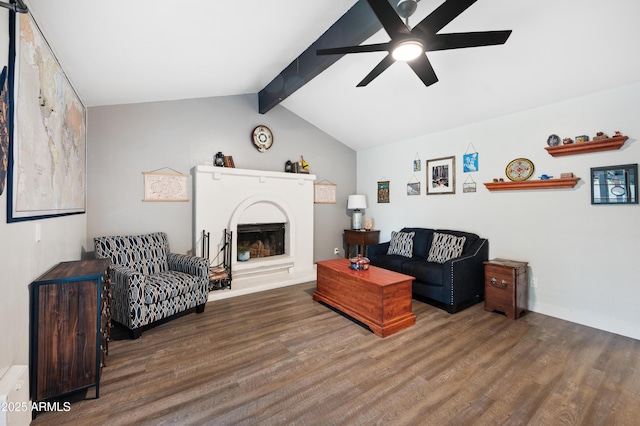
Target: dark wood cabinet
69,322
505,287
360,239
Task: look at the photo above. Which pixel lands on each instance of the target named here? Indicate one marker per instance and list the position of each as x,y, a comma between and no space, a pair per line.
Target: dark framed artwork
383,191
47,130
614,184
441,176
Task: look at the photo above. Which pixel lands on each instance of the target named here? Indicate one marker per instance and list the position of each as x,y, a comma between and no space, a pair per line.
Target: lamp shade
357,202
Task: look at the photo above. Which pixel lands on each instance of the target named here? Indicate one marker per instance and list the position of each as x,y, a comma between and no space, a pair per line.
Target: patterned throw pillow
401,243
445,247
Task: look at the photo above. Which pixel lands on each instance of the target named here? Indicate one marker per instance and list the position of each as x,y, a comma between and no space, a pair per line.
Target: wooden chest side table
505,287
69,315
360,239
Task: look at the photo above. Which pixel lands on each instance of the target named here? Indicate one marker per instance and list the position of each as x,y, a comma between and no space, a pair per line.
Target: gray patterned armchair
148,283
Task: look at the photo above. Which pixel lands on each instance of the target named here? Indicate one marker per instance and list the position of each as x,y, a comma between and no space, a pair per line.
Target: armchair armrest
189,264
464,275
127,290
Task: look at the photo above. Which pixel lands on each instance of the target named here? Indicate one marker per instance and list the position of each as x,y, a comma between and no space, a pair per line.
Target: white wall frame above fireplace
226,197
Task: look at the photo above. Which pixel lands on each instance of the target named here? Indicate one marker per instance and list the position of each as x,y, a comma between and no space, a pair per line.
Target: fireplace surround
229,198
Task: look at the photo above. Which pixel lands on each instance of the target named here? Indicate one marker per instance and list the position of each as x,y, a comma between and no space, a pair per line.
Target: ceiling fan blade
379,47
389,18
423,69
461,40
447,12
383,65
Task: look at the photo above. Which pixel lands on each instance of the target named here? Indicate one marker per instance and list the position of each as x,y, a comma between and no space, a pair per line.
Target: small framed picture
383,191
413,188
441,176
324,193
469,187
470,162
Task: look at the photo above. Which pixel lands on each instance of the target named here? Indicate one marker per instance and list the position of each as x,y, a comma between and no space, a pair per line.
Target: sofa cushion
421,241
168,285
470,238
393,262
423,271
401,243
146,254
445,247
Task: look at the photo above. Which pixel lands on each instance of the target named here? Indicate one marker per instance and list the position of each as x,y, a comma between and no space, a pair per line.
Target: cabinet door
67,322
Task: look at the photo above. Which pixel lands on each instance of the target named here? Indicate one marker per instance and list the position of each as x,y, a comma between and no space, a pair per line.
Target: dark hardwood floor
278,358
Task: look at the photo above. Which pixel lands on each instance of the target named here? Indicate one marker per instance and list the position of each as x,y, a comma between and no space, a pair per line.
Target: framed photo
413,188
383,191
614,184
47,145
324,193
441,176
470,162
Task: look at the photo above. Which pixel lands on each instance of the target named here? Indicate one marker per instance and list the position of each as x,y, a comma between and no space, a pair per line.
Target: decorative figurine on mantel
567,141
218,160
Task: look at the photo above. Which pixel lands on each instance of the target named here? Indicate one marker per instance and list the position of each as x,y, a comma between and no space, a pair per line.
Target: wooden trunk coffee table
377,297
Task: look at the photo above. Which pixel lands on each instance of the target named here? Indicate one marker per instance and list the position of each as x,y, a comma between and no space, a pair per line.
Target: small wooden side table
505,287
360,239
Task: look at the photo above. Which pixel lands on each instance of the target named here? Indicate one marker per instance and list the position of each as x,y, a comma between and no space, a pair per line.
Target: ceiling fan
410,44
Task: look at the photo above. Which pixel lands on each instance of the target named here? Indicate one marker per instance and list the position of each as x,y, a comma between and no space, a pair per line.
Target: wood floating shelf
609,144
559,183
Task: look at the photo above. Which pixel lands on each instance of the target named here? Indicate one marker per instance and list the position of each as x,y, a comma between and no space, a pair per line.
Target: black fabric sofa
455,284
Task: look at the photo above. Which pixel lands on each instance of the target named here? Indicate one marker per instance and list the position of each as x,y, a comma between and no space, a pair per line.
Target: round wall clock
519,169
262,138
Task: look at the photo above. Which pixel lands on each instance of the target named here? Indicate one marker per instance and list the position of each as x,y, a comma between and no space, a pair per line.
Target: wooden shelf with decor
609,144
558,183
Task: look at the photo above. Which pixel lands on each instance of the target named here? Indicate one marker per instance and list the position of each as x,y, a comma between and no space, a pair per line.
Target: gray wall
127,140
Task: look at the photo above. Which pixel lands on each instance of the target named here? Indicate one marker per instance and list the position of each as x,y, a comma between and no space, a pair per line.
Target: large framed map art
47,130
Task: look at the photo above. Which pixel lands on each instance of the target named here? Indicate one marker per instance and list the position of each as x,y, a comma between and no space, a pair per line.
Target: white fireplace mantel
226,197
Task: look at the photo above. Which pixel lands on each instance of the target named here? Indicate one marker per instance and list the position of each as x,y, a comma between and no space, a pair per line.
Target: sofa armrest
378,249
463,277
127,290
193,265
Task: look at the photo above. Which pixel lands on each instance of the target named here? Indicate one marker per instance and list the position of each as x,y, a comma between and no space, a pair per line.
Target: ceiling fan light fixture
407,50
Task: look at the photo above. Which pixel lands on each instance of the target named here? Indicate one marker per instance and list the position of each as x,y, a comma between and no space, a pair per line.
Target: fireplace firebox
262,239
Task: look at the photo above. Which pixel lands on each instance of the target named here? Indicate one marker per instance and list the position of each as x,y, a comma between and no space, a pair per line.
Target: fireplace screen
261,239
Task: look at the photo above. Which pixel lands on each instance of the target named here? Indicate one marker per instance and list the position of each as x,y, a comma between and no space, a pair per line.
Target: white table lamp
355,203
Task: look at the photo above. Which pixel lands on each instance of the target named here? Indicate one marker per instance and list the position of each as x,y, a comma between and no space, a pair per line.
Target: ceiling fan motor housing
406,8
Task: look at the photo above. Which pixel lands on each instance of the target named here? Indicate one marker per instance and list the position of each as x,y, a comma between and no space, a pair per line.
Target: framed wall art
47,142
324,193
383,191
441,176
165,186
614,184
413,188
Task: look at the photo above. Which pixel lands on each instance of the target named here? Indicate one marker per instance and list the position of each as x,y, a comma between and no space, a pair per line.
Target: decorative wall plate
519,169
553,140
262,138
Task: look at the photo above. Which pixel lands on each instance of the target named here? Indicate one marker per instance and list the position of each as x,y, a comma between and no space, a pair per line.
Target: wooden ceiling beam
353,28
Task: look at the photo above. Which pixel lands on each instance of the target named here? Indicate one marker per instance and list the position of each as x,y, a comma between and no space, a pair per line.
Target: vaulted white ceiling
124,51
